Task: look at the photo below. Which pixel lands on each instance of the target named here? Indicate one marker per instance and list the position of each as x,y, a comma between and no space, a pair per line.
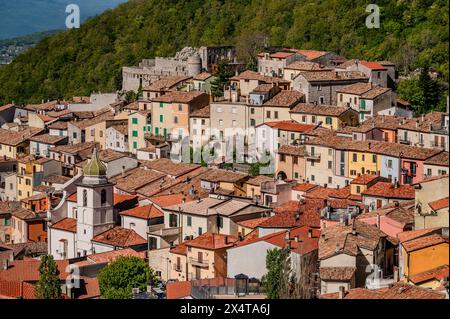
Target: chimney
395,274
341,292
417,124
296,238
6,264
310,233
226,240
378,220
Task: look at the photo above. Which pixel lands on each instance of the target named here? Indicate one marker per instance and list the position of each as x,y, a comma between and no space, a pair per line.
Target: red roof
373,65
424,242
387,190
72,198
120,198
291,126
281,55
438,273
439,204
109,256
252,223
312,54
364,179
179,289
143,212
304,187
28,270
119,237
303,245
411,234
67,224
295,213
212,241
169,200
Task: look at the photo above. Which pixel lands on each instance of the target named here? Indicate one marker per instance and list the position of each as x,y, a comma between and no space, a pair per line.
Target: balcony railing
313,156
403,141
198,262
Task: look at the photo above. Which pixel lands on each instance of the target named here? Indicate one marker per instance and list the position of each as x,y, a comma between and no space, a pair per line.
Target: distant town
306,177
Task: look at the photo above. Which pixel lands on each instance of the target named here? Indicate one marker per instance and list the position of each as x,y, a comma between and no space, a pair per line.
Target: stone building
187,62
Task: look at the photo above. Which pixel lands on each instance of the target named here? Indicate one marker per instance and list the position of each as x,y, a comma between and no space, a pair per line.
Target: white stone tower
95,204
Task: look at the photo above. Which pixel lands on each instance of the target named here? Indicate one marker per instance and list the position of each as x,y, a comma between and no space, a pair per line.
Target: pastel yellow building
31,171
14,143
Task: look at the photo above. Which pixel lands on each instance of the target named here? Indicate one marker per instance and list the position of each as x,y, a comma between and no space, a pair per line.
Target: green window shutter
189,221
156,130
135,134
363,104
180,107
161,118
134,120
134,144
329,120
165,132
161,104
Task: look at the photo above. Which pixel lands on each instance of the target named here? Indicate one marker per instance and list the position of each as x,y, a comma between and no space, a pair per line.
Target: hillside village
335,168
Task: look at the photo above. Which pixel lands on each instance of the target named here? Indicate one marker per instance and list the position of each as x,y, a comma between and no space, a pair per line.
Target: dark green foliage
424,93
49,285
223,74
118,278
76,62
276,281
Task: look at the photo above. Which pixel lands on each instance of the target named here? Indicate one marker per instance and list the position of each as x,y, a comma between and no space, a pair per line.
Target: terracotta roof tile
202,76
178,290
166,83
441,159
304,187
285,99
337,273
143,212
295,213
387,190
48,139
28,270
179,97
437,273
290,126
169,200
204,112
326,110
412,234
15,138
424,242
211,241
439,204
67,224
306,66
109,256
252,223
119,237
295,150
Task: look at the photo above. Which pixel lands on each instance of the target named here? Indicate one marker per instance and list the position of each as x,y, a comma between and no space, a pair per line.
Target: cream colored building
432,203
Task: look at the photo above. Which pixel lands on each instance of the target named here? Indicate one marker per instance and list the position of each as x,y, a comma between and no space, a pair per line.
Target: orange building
422,250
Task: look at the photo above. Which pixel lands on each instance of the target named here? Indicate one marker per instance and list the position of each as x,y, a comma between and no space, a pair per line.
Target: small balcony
198,262
312,157
403,141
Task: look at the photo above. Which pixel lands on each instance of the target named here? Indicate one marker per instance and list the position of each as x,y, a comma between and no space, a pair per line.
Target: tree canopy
412,34
117,280
49,285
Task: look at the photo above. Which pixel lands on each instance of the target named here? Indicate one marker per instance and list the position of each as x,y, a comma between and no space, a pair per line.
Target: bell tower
95,204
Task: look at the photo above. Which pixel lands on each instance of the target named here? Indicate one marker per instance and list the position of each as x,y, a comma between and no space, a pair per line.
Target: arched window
84,197
103,196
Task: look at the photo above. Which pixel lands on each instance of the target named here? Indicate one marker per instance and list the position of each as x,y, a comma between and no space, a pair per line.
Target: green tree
276,282
49,285
222,75
118,278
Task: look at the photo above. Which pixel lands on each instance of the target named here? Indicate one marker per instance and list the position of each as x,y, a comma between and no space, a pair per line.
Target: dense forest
413,34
